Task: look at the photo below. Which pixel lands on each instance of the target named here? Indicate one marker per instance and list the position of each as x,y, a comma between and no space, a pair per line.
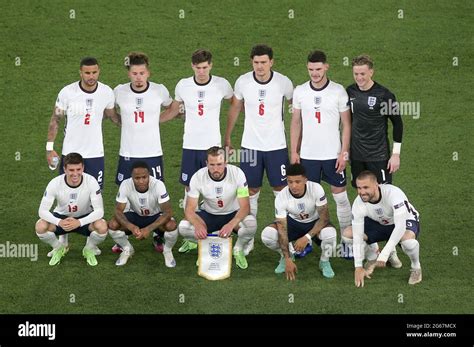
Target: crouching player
226,205
79,209
150,211
302,215
380,213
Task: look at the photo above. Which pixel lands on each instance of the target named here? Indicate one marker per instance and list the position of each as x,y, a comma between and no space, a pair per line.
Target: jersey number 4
318,116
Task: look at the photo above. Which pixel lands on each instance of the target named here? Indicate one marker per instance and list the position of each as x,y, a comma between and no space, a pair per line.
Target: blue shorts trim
253,163
298,229
191,161
124,169
142,221
377,232
92,166
325,170
215,222
83,230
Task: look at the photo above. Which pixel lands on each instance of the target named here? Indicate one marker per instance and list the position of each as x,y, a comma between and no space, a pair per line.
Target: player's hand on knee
301,243
226,231
200,233
135,231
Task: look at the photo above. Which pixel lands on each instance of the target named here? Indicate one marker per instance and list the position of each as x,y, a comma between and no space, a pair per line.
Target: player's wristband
308,236
396,148
49,146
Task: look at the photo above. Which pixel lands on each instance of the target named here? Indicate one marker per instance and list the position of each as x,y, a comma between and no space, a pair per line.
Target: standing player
150,210
79,209
382,213
302,215
84,104
370,146
319,107
201,95
261,93
139,104
225,208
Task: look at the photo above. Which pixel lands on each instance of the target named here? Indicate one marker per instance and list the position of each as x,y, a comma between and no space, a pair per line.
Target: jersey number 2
87,119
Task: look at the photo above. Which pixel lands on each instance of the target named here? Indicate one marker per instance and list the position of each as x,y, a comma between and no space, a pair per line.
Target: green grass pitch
423,52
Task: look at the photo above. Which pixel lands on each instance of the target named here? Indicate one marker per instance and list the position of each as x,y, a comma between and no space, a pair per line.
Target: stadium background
415,53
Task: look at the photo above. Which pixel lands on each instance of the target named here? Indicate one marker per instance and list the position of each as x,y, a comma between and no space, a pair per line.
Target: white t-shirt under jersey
220,197
302,209
321,139
140,113
144,204
84,113
72,201
202,104
264,128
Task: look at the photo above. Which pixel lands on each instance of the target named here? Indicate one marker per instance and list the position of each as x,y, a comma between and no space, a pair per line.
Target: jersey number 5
201,109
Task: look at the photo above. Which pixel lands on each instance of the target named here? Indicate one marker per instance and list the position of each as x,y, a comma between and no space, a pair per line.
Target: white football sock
411,247
246,232
344,212
120,238
94,239
50,238
170,239
371,251
186,230
270,239
328,236
254,204
64,239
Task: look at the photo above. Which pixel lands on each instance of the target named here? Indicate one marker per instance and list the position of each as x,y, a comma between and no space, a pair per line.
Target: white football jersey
144,204
140,113
264,127
220,197
301,209
84,113
393,201
202,104
73,202
321,139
